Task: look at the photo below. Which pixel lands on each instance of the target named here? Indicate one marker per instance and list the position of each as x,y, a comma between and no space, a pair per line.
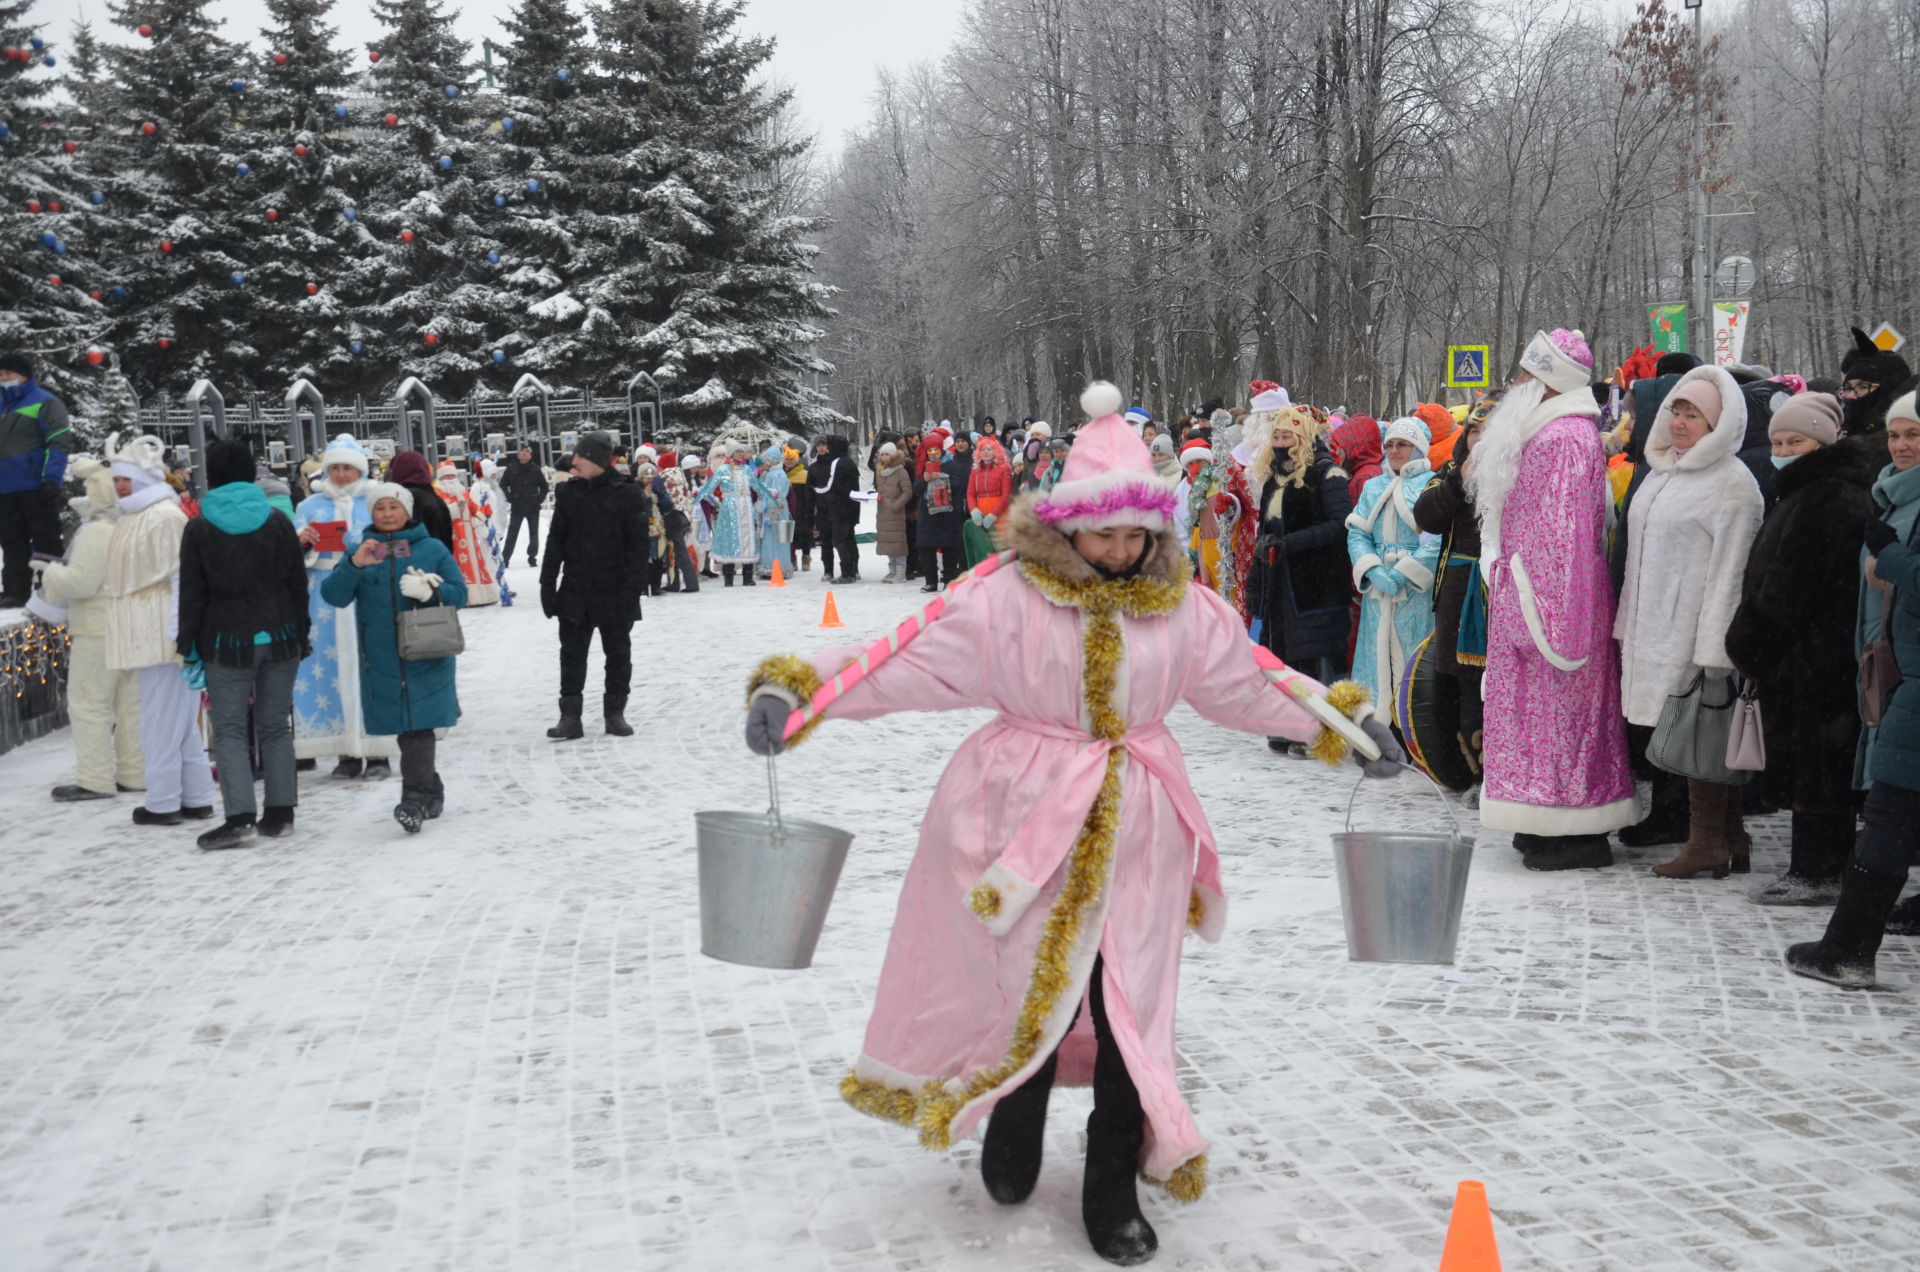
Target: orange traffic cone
1470,1246
779,575
830,616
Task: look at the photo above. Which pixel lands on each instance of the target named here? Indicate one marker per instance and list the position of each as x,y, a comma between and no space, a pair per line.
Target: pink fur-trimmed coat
1008,812
1555,749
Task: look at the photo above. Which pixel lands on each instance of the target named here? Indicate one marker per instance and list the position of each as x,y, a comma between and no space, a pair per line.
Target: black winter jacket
834,477
234,586
1302,592
524,485
594,564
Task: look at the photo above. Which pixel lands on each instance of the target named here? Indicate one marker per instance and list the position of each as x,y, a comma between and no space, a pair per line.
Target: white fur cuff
775,691
1416,572
1001,898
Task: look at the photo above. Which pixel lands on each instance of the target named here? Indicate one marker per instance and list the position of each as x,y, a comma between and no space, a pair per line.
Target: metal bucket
1402,892
765,884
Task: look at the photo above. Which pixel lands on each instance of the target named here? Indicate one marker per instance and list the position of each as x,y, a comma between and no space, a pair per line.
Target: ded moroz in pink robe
1555,741
1016,885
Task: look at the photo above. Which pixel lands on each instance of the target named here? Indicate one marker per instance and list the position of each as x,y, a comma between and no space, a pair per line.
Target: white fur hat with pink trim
1108,479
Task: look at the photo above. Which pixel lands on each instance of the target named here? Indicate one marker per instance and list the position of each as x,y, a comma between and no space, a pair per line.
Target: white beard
1493,466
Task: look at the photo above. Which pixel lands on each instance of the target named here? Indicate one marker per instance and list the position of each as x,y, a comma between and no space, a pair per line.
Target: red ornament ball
166,245
279,59
146,32
95,357
93,295
164,343
433,338
149,128
393,121
273,214
300,151
313,289
54,206
373,55
53,279
406,236
71,147
33,205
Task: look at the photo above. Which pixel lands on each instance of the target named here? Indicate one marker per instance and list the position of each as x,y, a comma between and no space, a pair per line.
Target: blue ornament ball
532,184
37,43
493,258
339,112
352,214
563,75
239,86
59,249
239,279
5,132
499,200
499,355
119,292
96,198
506,125
446,162
47,60
48,238
241,169
453,90
356,347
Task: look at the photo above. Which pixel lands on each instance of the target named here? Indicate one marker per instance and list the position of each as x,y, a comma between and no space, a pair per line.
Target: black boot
277,821
73,793
349,766
1010,1158
748,573
1566,852
726,573
1109,1206
437,799
1821,842
235,832
411,811
617,726
141,817
1667,821
1904,919
569,727
1844,956
379,770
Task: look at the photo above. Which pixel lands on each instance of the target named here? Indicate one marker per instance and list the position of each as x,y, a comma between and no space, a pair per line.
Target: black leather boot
569,727
1010,1158
437,799
1109,1204
617,726
411,811
1845,955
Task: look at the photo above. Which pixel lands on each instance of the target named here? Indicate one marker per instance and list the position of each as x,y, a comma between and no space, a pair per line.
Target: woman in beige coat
894,485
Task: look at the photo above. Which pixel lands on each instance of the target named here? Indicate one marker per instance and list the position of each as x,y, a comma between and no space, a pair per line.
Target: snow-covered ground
497,1045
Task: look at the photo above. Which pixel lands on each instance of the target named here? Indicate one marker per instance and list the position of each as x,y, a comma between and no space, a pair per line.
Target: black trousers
29,523
942,565
842,542
515,517
616,646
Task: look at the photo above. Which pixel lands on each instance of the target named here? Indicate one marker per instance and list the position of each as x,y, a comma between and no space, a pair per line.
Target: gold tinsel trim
1187,1183
878,1100
797,676
1136,598
984,901
1346,697
1196,910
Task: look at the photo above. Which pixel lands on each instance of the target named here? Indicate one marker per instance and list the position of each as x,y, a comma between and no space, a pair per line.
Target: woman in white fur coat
1691,526
103,704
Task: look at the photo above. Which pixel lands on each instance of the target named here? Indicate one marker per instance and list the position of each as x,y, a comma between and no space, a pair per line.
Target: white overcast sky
828,50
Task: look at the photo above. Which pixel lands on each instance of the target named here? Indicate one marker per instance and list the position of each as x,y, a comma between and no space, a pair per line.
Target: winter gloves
1386,581
1879,535
194,672
767,723
417,585
984,520
1392,759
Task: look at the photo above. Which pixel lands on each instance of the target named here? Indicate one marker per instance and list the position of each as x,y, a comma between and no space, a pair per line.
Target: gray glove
1392,758
766,722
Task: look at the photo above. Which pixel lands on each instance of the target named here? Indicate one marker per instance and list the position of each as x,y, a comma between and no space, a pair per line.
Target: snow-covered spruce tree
297,151
545,91
706,287
421,287
174,236
45,310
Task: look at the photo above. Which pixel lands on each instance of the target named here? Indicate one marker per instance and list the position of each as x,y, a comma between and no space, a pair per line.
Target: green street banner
1669,323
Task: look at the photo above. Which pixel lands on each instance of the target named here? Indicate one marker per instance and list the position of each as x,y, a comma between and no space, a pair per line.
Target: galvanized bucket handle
779,832
1437,793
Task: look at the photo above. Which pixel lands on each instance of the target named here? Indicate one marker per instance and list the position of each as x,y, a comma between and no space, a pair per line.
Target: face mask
1781,461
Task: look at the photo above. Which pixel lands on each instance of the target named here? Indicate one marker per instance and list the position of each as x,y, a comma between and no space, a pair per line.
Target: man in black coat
834,477
596,567
525,485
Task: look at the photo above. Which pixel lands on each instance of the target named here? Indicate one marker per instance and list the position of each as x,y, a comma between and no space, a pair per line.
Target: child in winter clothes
142,588
1065,853
396,566
103,704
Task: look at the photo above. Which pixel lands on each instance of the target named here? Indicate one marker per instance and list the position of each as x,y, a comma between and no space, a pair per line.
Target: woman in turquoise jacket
396,566
1393,564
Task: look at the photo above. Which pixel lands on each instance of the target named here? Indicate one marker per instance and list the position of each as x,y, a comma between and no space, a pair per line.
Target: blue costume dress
736,539
326,695
1393,566
773,485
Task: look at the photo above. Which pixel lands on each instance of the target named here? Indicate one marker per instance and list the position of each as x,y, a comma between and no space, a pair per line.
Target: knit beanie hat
596,448
1108,479
378,490
1161,445
1815,415
345,450
410,468
227,463
1906,407
1040,429
1703,393
18,363
1408,429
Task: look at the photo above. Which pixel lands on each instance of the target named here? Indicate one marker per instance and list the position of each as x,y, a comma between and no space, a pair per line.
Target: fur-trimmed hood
1022,530
1728,435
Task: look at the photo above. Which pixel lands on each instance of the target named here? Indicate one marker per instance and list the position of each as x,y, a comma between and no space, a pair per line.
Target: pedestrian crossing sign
1467,366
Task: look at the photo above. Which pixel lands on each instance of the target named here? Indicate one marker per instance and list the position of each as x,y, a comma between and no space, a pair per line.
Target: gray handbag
432,631
1691,738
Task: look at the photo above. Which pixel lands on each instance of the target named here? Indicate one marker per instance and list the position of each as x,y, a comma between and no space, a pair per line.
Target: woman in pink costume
1065,853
